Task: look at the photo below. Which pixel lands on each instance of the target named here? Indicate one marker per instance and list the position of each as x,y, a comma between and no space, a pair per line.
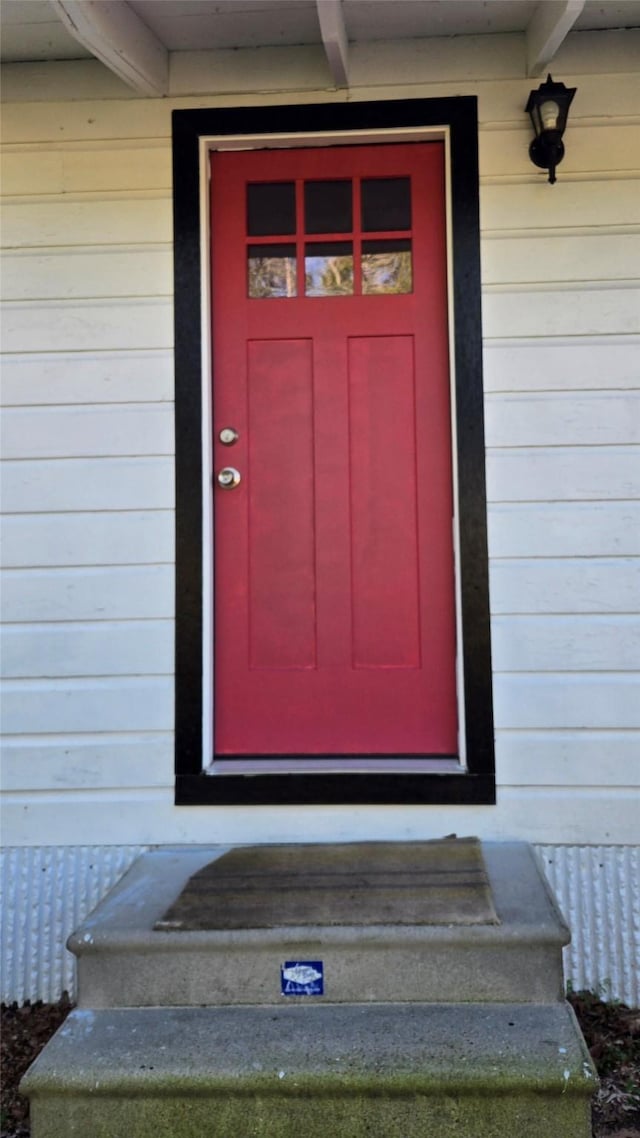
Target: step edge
85,943
572,1072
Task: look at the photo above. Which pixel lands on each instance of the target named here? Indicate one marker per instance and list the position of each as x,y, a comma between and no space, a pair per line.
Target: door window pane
386,203
386,267
271,208
327,207
272,271
328,268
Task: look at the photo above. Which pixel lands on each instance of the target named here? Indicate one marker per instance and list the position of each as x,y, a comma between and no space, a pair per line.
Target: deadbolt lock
228,436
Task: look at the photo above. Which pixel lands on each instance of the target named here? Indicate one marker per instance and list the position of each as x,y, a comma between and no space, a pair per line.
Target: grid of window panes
332,257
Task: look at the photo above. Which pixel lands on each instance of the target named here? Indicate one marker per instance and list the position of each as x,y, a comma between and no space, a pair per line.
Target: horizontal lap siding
83,431
86,377
103,592
563,473
88,531
88,484
561,313
88,446
565,585
135,537
562,375
142,647
141,217
524,259
96,325
130,703
560,642
32,174
134,270
603,363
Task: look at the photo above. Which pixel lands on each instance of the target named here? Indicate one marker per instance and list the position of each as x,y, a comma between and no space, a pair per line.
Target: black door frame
475,782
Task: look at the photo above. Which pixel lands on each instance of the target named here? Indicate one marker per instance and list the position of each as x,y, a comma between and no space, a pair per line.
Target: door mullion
300,273
357,238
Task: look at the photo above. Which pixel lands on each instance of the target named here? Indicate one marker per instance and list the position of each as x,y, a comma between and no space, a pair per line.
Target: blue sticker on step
302,978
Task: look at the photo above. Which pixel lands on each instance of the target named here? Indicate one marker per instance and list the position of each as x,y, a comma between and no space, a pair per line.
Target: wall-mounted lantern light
548,108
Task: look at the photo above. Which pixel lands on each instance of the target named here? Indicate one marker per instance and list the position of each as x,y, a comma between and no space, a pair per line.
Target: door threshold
354,764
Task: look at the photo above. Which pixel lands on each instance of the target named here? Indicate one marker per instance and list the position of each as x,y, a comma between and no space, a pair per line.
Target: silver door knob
228,477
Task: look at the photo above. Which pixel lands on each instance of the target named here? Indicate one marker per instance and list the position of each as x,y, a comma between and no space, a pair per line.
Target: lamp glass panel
535,119
550,115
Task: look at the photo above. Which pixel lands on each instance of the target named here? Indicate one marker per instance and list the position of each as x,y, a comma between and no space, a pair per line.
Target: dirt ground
612,1032
23,1033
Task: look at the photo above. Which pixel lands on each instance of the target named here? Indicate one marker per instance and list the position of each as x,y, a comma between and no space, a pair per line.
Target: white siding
65,485
137,537
79,377
88,442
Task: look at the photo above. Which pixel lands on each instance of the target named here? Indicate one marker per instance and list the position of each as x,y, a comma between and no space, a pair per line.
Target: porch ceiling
136,38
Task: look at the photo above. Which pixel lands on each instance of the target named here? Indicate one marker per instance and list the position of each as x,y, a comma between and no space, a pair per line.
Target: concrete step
392,1070
124,962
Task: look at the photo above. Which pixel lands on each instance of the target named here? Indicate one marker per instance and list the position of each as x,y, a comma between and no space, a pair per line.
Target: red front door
334,577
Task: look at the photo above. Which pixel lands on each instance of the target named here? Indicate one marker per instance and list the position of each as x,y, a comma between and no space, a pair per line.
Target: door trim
470,777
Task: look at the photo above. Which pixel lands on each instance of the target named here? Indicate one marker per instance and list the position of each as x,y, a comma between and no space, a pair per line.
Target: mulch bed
612,1032
23,1033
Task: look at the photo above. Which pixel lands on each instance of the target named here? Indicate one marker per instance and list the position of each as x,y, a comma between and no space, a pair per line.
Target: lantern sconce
549,108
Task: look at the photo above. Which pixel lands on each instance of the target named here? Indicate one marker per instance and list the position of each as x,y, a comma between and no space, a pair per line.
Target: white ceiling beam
334,39
112,31
549,25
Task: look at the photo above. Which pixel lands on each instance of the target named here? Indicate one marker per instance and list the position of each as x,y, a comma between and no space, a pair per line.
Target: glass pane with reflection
386,203
386,267
272,271
271,209
328,268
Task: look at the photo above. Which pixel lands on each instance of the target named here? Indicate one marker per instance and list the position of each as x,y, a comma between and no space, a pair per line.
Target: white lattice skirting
48,890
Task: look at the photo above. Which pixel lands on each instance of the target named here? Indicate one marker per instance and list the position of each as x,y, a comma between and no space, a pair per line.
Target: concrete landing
124,962
363,883
394,1071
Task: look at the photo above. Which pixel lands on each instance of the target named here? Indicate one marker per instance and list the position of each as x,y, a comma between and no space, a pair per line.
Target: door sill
305,764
